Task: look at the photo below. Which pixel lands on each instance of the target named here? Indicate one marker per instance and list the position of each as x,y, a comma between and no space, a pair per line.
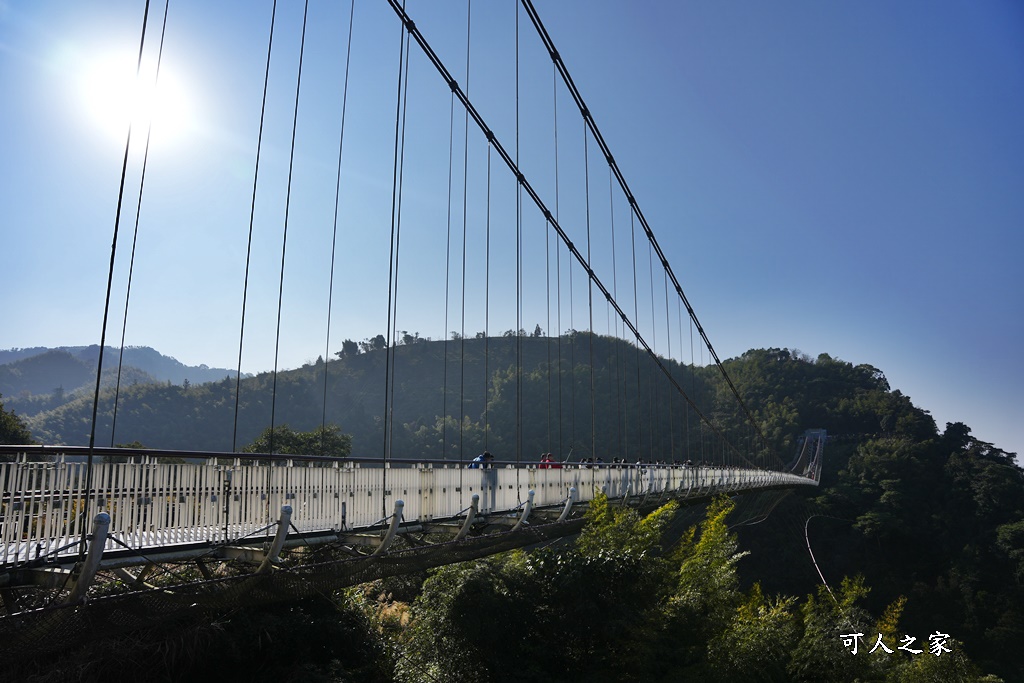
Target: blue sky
842,178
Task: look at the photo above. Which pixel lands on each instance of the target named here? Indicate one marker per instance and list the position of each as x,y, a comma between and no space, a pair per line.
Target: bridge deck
155,504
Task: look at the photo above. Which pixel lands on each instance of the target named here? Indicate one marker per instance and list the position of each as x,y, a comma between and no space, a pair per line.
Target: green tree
819,655
759,641
12,429
378,343
708,588
349,349
325,441
589,611
949,667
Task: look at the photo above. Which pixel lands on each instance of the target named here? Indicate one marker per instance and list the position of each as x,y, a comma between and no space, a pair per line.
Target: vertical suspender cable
652,240
619,414
682,379
528,187
693,391
391,261
704,385
106,307
519,275
392,350
652,389
547,328
547,300
487,307
572,365
284,235
558,255
610,447
590,299
465,204
135,236
252,216
447,280
465,191
668,335
334,238
636,316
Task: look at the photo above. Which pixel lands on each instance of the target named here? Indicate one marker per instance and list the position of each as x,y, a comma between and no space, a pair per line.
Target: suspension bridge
95,534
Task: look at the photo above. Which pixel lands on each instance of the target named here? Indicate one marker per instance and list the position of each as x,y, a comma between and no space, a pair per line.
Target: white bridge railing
155,503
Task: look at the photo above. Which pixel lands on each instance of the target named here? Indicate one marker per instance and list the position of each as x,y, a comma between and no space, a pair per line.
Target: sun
115,96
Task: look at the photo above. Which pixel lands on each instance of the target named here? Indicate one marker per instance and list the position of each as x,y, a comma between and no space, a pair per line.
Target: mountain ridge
161,366
41,378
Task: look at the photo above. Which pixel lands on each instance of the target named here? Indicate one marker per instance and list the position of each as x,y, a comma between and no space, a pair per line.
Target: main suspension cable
574,91
538,202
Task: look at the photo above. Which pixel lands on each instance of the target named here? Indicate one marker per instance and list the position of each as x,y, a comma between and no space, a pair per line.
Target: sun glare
114,97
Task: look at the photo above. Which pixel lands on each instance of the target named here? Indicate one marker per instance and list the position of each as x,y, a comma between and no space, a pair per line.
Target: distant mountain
38,379
155,364
44,373
11,355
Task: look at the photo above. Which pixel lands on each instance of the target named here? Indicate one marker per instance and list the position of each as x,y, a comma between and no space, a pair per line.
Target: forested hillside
574,391
931,519
934,516
633,414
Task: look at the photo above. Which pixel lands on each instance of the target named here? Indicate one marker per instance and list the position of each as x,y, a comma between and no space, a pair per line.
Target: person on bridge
482,461
548,462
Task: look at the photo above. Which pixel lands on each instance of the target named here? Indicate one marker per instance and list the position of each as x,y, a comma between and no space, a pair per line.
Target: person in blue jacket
483,460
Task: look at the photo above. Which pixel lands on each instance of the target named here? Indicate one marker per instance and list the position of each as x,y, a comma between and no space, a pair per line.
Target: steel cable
334,237
106,304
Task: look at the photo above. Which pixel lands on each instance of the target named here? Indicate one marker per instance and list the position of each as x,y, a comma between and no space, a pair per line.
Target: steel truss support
526,511
474,508
273,555
101,524
396,520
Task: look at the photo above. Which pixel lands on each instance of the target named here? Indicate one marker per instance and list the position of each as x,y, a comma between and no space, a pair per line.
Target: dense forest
443,400
577,395
917,531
